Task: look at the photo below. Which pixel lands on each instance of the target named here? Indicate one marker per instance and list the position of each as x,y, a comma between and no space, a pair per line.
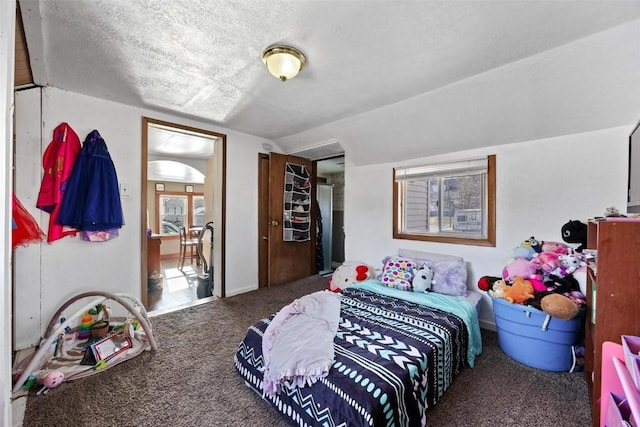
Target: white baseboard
242,290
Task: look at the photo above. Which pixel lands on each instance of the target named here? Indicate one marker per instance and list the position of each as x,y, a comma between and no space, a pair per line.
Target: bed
396,352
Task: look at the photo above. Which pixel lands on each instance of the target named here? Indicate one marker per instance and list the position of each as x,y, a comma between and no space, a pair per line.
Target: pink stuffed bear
348,274
522,267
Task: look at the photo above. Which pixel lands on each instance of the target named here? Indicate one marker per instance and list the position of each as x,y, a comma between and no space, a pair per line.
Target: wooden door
286,259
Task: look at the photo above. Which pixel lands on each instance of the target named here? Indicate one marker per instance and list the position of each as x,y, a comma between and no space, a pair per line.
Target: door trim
221,185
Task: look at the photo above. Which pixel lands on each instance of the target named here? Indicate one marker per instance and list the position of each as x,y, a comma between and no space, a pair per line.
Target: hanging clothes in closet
92,200
58,161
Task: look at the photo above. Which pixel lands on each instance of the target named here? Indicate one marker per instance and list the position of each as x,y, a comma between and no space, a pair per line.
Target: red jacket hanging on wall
58,161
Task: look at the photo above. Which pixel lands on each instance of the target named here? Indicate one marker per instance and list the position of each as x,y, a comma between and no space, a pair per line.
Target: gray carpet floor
191,380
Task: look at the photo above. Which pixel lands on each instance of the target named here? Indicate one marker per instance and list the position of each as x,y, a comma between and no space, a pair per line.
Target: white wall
540,186
520,101
70,266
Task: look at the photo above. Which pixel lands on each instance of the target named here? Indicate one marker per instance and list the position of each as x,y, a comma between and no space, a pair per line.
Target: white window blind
461,168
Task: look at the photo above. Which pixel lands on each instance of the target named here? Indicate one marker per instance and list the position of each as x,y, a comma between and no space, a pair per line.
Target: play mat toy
88,341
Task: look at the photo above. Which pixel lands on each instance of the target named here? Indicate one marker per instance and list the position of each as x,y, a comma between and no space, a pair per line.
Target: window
197,209
172,213
448,202
179,210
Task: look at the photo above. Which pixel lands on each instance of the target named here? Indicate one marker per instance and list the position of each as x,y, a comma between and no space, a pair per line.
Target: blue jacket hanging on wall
92,200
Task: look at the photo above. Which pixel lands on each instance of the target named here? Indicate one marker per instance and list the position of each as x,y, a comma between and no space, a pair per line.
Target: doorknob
274,223
265,238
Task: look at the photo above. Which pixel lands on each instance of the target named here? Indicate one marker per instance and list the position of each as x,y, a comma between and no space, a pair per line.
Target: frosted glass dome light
283,62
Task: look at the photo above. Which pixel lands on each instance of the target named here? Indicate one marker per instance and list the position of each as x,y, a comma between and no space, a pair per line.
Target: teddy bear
349,273
497,288
520,292
422,279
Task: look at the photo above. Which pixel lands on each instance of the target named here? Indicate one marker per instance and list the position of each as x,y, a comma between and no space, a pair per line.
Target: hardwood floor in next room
177,290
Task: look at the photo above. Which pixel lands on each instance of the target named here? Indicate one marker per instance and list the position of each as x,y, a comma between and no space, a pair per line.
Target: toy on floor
50,380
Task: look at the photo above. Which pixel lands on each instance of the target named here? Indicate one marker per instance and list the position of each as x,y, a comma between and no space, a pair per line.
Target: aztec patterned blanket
393,359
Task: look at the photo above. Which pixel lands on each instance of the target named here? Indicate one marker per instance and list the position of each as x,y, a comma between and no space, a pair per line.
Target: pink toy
348,274
522,267
556,247
51,380
546,262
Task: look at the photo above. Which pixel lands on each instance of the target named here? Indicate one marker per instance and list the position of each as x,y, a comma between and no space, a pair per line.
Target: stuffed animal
497,289
569,263
486,282
422,279
546,262
49,380
348,274
527,249
555,247
521,267
520,292
397,273
559,306
575,231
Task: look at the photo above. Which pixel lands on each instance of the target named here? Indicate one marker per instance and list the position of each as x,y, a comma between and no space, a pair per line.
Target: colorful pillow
449,272
397,273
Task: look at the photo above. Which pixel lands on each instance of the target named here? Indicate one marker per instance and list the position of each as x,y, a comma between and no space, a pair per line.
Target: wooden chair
187,244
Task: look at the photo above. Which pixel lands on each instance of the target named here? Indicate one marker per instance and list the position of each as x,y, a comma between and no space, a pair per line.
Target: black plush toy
575,231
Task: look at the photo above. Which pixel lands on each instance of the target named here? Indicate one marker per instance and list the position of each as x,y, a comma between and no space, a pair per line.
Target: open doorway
330,226
183,174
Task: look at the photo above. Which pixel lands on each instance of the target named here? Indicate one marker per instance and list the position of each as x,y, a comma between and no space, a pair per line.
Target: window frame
189,214
488,240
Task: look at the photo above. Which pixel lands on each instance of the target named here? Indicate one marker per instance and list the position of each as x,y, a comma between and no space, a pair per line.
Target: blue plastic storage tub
535,339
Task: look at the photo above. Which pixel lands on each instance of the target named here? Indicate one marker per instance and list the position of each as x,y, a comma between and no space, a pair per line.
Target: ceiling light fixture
284,62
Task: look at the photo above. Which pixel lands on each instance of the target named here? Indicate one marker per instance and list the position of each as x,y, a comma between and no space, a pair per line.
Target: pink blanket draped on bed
297,346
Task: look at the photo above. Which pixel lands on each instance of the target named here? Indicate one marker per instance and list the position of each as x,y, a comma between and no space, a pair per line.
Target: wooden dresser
613,294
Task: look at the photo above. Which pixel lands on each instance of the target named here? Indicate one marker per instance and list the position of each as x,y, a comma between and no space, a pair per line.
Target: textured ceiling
201,58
